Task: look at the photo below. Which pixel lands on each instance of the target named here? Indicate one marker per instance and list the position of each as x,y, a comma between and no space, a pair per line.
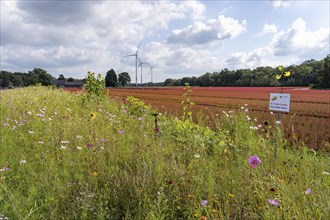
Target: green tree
324,74
16,79
205,80
124,78
111,79
41,76
61,77
4,75
71,79
168,82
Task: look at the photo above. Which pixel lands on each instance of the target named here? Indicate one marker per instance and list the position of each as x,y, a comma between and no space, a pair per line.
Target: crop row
308,120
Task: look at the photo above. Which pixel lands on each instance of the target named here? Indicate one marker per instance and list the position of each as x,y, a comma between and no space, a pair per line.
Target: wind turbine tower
140,65
151,68
136,60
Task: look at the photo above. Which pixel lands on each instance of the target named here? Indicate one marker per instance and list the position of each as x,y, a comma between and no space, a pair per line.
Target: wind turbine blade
139,59
129,55
138,47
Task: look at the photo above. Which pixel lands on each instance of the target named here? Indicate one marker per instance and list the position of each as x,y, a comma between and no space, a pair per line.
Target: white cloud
211,30
280,3
286,47
171,59
72,37
300,41
268,29
247,59
77,35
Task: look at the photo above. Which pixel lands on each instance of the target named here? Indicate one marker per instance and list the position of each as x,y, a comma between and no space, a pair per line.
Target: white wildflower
197,155
63,147
22,162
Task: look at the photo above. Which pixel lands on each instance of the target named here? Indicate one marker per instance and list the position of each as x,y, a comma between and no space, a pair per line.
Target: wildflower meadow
71,156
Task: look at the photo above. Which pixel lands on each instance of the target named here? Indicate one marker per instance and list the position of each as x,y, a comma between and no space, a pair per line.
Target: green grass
102,160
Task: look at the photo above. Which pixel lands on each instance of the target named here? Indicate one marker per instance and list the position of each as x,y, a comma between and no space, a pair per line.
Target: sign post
279,102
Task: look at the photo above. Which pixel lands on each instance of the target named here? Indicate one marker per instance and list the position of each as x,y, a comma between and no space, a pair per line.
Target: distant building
65,84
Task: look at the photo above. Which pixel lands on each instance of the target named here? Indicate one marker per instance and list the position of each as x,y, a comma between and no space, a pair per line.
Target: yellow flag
278,76
287,73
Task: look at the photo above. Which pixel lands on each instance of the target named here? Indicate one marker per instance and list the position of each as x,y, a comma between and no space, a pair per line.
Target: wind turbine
140,65
136,59
151,68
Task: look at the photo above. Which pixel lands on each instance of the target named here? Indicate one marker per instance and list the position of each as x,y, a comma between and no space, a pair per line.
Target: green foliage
111,79
136,107
60,160
37,75
42,76
61,77
324,75
187,103
124,78
310,72
94,86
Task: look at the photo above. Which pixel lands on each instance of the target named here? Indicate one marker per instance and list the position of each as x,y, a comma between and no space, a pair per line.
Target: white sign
279,102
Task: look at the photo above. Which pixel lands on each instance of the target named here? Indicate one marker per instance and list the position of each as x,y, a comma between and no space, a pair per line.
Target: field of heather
307,122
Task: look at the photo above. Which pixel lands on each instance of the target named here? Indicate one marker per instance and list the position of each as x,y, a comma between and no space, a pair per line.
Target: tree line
309,73
41,76
18,79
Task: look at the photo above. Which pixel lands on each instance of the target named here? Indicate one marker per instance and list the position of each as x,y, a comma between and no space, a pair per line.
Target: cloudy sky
181,38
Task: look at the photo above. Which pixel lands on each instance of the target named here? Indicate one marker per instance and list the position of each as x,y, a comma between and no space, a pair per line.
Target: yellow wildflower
93,115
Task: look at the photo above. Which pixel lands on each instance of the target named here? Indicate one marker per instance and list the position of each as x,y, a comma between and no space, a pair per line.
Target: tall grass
63,157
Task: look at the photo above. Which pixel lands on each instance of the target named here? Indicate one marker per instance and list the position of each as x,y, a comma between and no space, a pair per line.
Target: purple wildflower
102,140
254,161
4,169
273,202
122,132
156,130
308,191
89,145
124,111
204,202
